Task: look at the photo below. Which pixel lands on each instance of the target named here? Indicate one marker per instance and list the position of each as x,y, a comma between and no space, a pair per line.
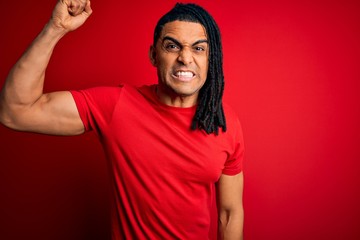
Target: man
168,144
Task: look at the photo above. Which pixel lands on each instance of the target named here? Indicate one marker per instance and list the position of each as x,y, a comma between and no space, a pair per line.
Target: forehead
186,32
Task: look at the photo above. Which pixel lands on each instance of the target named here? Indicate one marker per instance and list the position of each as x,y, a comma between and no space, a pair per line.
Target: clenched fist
75,7
68,15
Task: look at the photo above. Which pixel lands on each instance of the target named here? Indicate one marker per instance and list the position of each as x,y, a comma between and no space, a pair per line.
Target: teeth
184,74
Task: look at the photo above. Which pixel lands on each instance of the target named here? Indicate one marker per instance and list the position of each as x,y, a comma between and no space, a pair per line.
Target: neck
175,100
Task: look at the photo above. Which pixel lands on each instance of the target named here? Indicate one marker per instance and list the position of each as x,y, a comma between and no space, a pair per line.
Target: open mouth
184,75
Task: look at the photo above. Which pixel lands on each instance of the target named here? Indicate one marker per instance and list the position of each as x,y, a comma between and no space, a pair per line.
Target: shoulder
231,116
233,123
103,98
103,92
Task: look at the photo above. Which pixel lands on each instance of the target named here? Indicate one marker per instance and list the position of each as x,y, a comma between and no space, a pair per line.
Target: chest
160,144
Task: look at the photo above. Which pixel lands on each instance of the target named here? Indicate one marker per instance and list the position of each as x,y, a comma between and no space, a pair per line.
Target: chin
186,92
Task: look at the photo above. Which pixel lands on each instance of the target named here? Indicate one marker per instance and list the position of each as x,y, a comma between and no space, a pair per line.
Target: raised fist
68,15
75,7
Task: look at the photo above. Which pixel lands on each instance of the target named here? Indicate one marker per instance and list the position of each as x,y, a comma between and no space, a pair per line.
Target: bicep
230,192
53,113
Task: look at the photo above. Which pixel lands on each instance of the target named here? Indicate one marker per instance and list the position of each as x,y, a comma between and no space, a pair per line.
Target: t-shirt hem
232,172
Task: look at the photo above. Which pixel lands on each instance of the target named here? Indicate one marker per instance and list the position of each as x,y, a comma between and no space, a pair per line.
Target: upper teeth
184,74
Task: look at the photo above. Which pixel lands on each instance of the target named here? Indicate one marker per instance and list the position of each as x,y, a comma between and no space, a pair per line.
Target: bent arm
230,207
23,105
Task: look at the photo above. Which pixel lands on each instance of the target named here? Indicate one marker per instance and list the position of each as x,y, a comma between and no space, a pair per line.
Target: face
181,58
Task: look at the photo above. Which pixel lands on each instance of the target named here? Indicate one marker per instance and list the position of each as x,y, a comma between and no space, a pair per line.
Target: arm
230,207
23,105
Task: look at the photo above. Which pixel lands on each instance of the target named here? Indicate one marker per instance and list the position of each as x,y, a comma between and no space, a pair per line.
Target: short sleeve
96,105
234,163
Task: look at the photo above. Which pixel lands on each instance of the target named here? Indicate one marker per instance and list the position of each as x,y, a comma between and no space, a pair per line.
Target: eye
172,47
199,49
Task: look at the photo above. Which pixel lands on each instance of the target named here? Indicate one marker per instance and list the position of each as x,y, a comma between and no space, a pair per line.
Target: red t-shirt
163,172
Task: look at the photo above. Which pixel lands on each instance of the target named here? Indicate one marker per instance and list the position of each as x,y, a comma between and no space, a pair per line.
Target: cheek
202,61
164,63
164,70
204,66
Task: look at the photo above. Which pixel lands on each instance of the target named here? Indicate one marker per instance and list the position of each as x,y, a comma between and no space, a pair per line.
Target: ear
152,55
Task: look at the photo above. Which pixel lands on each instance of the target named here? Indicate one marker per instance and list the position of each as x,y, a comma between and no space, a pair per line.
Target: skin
23,105
230,206
181,47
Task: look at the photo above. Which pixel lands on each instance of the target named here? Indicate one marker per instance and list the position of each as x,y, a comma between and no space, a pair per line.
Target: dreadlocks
209,114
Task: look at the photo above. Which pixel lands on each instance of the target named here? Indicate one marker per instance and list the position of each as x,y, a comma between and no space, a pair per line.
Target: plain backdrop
292,71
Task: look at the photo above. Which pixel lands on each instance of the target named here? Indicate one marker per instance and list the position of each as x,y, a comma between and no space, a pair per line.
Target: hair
209,114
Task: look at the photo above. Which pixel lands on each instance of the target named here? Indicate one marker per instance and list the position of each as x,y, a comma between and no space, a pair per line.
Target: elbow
8,115
231,224
5,118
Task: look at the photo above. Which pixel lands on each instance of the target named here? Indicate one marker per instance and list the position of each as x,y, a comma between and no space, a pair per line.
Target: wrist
54,31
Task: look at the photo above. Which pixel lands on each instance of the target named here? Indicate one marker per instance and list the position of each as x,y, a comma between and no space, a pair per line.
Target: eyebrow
178,43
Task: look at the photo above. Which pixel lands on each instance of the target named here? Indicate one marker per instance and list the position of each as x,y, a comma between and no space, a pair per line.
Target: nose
185,56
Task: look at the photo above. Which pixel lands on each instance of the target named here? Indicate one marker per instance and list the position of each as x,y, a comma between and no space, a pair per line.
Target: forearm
23,88
24,84
231,225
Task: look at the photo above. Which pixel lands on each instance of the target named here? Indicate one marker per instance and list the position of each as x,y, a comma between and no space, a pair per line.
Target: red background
292,75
